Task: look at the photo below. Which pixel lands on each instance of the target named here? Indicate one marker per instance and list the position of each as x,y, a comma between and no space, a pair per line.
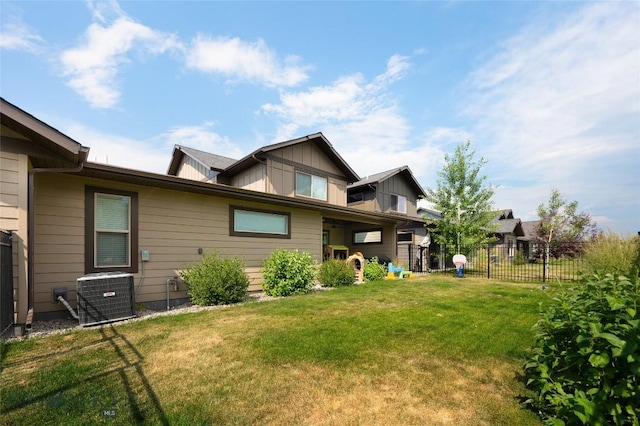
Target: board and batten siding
305,157
191,169
14,169
172,226
396,185
254,178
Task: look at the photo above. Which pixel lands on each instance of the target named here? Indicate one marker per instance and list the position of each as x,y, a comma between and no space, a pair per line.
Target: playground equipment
356,260
335,252
459,260
396,271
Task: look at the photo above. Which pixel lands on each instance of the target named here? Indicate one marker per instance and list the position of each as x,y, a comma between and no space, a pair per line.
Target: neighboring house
397,191
508,230
393,191
71,217
527,244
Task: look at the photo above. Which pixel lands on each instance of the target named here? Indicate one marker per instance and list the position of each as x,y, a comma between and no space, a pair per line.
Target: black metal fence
6,285
515,262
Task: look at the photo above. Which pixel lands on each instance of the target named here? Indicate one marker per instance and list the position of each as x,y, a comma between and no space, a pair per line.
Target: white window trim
403,211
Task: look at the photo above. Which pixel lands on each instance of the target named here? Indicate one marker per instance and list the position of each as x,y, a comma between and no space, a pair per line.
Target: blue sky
548,93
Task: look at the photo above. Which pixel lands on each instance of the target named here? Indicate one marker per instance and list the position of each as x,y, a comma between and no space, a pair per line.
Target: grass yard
431,350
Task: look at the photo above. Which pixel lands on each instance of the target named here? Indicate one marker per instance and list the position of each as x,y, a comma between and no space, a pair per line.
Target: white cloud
547,95
17,35
153,154
94,65
240,60
363,122
202,138
559,106
350,99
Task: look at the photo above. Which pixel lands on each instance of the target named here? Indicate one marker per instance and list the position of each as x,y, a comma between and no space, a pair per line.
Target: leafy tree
464,201
561,224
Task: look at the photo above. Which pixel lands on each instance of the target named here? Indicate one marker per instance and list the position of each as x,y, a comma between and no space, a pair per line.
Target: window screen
112,230
367,237
311,186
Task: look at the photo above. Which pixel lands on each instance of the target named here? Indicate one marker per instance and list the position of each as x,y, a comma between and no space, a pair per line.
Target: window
111,230
404,237
311,186
325,238
248,222
367,237
398,203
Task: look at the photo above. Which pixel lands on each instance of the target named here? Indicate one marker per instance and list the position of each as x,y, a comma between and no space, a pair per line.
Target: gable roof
507,224
529,227
50,147
208,160
504,214
382,176
317,138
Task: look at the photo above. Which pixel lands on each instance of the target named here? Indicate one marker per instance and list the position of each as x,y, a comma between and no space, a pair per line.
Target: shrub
374,270
519,259
336,273
611,253
287,272
216,280
585,366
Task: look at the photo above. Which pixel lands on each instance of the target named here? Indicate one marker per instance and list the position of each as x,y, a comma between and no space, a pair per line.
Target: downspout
82,154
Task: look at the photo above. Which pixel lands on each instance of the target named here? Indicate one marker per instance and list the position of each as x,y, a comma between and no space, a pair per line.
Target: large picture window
311,186
248,222
367,237
398,203
111,225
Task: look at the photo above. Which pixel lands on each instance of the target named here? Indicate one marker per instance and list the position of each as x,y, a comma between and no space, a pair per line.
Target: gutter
83,153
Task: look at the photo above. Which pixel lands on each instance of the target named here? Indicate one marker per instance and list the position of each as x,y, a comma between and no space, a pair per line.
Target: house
397,191
71,217
508,230
528,243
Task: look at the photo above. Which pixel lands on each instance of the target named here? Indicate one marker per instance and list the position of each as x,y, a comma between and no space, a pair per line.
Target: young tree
463,200
560,224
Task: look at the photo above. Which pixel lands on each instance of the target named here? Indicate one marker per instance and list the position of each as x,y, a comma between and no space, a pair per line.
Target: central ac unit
105,297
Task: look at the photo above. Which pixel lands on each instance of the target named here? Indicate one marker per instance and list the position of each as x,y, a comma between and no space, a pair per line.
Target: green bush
336,273
216,280
519,259
611,253
585,367
373,270
287,272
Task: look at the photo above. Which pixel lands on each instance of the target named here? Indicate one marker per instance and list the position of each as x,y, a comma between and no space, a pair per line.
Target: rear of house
82,217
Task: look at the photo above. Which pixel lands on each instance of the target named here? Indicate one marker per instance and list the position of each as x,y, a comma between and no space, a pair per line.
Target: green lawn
431,350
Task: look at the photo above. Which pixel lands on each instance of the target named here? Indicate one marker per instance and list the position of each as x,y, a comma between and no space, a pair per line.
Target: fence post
488,262
544,264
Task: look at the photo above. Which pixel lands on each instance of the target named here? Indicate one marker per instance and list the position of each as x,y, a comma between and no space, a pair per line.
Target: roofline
251,159
390,174
139,177
174,165
24,118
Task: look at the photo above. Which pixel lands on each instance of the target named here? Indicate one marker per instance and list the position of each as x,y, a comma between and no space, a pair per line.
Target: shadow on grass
131,375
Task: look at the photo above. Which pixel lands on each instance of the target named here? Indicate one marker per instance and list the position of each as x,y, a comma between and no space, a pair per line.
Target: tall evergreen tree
464,201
